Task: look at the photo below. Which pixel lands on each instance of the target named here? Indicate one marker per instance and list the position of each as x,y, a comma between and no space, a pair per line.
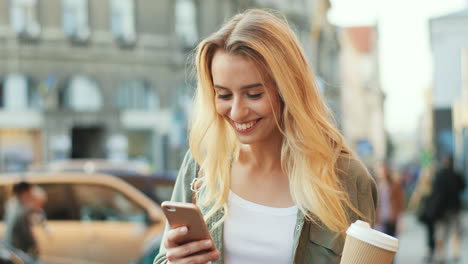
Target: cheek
221,107
265,107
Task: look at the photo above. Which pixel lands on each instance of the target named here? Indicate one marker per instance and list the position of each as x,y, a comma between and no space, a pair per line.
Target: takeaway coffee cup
364,245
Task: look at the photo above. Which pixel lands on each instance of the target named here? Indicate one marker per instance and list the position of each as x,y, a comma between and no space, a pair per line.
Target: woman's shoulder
189,168
351,169
187,173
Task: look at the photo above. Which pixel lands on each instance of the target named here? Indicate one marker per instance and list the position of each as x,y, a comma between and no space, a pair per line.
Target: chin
250,140
246,141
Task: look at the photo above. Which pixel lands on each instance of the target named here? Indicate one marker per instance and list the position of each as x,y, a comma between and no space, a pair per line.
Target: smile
245,127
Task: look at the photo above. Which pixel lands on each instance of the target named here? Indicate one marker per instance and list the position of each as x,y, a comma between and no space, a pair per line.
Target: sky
404,50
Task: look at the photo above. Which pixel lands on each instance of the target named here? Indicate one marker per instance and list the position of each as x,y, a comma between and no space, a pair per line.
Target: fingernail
214,254
183,229
207,243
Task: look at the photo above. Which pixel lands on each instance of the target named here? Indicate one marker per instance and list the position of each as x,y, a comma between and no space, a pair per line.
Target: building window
23,18
33,95
123,20
81,94
75,19
137,95
186,22
19,92
2,100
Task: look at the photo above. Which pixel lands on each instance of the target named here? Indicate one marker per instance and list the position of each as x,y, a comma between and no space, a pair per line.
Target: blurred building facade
361,93
109,79
326,57
449,41
426,131
92,79
460,118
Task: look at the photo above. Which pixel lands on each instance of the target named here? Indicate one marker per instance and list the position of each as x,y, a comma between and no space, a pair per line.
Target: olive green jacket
312,243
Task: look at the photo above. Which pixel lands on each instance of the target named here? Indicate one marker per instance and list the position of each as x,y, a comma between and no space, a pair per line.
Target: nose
239,110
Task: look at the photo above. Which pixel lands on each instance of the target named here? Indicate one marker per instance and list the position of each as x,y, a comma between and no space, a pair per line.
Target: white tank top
255,233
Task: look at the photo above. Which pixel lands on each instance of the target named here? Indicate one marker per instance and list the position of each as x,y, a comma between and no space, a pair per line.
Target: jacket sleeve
182,193
361,188
367,197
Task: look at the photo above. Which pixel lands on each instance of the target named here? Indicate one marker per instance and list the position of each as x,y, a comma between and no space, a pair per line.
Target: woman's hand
184,253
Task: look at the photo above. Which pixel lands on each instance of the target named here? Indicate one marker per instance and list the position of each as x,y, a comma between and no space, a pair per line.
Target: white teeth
245,126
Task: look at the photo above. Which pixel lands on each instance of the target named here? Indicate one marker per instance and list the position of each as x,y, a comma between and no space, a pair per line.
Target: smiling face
242,99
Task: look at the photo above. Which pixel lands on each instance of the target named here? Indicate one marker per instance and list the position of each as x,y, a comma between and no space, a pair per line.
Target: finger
174,236
183,251
202,258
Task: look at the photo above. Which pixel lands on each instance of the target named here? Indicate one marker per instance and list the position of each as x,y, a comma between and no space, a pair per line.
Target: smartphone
189,215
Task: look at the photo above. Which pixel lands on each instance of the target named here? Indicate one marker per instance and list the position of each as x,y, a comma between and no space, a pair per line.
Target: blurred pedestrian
447,188
18,219
420,202
271,173
391,200
39,198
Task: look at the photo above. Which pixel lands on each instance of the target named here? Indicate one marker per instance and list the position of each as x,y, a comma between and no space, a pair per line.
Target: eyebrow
243,87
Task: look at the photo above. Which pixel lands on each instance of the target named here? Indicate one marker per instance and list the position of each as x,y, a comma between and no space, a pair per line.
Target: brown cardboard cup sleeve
364,245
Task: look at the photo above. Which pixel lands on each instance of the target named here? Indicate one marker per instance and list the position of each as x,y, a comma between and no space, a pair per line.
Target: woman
420,202
273,177
391,200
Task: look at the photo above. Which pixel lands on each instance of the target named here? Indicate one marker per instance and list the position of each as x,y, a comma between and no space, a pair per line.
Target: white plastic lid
361,230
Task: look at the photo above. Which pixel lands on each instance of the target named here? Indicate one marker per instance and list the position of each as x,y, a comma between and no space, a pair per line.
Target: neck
263,155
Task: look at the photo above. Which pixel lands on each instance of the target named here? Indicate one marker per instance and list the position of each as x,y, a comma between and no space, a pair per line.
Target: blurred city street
98,110
413,241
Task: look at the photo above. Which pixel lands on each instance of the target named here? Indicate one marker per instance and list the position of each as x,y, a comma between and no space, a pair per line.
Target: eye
255,96
224,96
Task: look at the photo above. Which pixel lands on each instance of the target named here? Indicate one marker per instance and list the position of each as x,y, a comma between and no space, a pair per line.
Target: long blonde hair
311,144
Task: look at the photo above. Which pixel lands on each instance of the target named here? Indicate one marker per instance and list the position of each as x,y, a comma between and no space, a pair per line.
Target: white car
92,218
